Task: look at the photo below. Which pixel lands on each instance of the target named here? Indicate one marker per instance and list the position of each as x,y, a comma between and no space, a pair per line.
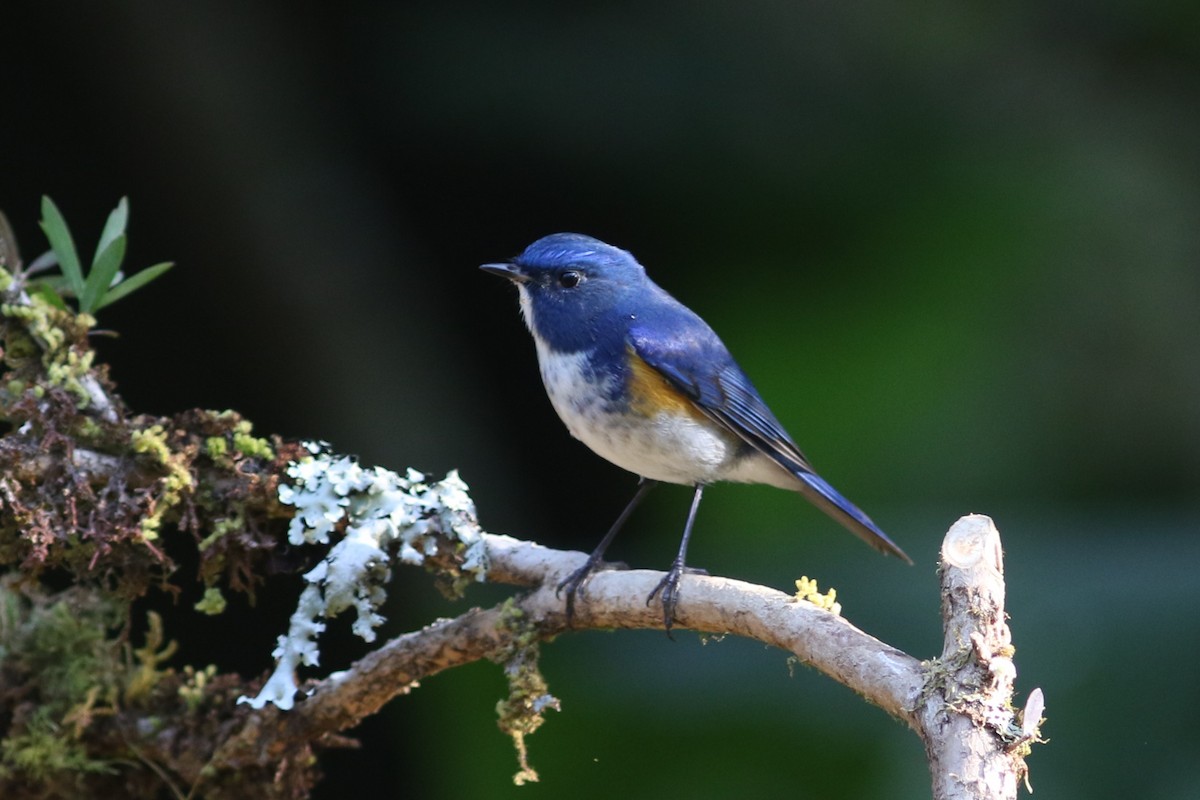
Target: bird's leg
669,585
573,583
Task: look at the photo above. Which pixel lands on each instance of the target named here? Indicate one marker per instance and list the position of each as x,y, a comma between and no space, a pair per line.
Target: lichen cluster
374,516
807,589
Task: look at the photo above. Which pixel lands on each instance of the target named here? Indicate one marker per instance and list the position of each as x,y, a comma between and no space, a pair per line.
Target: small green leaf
114,227
57,283
101,277
133,283
47,293
60,241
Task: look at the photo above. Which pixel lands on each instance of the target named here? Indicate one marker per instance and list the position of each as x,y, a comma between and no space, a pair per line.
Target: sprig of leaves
103,283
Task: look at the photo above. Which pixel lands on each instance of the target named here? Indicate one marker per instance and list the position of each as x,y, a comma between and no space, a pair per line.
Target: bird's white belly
671,447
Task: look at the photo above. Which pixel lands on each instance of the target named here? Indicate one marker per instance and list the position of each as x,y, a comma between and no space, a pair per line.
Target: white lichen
381,515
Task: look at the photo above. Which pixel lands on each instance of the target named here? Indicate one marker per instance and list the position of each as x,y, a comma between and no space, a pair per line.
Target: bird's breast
634,419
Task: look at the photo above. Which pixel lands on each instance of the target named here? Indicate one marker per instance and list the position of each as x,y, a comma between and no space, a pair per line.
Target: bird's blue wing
697,363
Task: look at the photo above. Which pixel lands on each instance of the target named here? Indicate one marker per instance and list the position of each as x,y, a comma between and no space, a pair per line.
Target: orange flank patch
652,394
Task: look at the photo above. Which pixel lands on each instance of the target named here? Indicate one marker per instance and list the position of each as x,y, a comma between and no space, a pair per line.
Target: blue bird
645,383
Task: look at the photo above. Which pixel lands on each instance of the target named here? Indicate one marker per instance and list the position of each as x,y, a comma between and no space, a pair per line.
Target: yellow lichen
806,589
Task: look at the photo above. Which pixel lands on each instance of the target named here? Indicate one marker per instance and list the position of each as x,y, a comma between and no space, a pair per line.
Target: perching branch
960,704
615,599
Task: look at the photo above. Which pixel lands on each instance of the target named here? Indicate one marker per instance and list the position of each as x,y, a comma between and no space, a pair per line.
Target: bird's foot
573,584
669,588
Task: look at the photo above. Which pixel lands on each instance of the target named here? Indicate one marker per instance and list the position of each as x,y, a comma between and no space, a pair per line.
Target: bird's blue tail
829,500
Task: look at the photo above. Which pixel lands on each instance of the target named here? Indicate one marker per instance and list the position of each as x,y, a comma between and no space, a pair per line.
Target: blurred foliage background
957,247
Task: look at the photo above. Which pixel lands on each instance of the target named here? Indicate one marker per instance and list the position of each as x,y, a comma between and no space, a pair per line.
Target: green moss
65,644
46,752
59,660
61,339
67,371
192,692
87,429
152,441
216,448
251,446
146,674
19,346
221,528
39,318
213,602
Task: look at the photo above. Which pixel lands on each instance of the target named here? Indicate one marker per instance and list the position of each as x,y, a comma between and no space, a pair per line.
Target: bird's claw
669,589
573,583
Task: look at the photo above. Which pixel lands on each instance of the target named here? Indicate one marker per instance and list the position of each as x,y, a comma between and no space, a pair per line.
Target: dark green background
956,246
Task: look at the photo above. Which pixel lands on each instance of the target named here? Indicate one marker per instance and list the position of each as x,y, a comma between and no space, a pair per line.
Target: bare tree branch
615,599
960,704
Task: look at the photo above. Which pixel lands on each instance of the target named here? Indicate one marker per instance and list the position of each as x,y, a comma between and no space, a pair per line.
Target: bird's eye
570,279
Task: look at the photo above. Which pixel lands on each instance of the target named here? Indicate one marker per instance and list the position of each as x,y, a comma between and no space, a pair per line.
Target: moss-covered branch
113,501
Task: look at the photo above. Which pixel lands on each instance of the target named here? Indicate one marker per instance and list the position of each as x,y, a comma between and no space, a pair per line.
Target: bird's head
568,282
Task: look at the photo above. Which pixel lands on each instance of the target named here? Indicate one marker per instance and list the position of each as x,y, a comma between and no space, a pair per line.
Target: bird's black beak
510,271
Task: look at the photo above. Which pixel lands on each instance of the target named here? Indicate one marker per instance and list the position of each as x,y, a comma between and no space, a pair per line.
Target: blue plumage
647,384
